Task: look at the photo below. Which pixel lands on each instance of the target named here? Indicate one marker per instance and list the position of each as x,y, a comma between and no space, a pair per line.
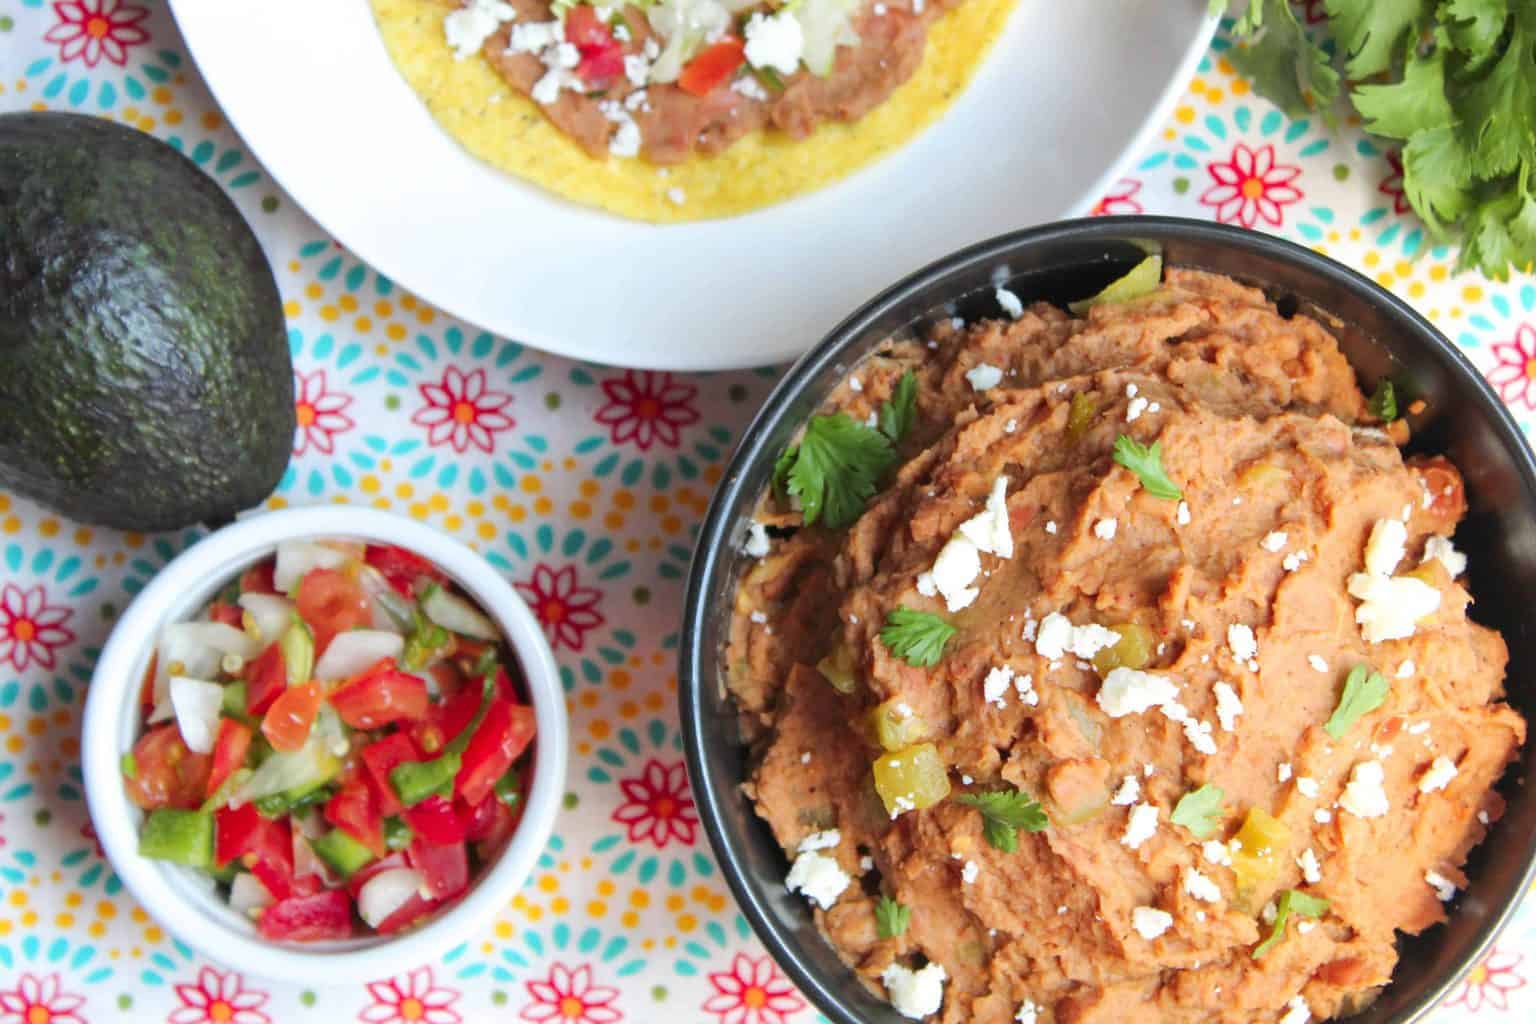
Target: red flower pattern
752,992
571,997
319,413
1250,187
1489,983
645,407
461,411
658,806
40,1000
1514,372
1120,199
567,609
92,29
31,629
1392,184
408,998
218,998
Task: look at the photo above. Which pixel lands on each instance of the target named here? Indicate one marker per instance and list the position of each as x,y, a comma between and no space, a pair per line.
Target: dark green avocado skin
145,380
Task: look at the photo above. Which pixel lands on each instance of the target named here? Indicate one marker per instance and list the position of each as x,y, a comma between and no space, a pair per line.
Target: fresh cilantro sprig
1003,813
918,638
835,469
898,411
1292,901
1200,810
1448,79
1383,401
1146,461
1364,692
891,918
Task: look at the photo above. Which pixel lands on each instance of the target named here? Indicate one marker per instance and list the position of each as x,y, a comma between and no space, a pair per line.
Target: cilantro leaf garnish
834,469
1200,810
1383,401
891,918
898,411
1147,463
918,638
1364,692
1292,901
1003,813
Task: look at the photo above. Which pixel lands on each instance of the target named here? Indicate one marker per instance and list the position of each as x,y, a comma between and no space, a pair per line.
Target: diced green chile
130,766
414,781
426,639
344,854
397,834
296,799
509,788
298,646
184,837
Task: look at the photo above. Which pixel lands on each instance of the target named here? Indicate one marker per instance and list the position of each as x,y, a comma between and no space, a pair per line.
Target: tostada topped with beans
338,739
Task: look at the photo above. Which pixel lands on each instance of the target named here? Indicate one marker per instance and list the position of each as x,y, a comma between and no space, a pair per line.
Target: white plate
1069,94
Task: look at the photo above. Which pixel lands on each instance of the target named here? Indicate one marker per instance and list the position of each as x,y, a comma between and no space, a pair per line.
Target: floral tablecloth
584,484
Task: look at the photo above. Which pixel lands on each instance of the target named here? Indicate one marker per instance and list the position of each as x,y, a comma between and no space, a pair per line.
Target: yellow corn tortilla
507,130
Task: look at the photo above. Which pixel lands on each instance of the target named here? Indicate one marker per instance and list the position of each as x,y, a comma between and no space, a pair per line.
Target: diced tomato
401,568
446,720
258,579
229,750
355,810
260,843
435,821
598,66
228,614
325,915
147,686
265,679
444,867
602,56
1443,484
488,822
168,773
713,67
502,737
287,722
411,911
331,602
447,674
380,695
380,757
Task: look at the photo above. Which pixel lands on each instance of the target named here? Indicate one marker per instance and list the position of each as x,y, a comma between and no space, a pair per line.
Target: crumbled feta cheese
984,376
1050,526
1140,826
1405,670
866,863
1147,768
1150,922
818,877
1054,636
1024,686
547,89
1283,773
1384,549
969,872
1483,819
1445,889
775,41
1241,641
1322,815
1134,408
1269,913
1442,550
1104,529
1364,797
1128,691
915,994
880,10
637,100
1292,561
1304,927
1418,728
1228,706
1128,793
1028,1013
824,840
995,686
1181,516
1131,390
1308,787
1010,303
1318,662
1297,1012
1391,606
1198,733
563,55
1311,870
1010,426
1216,852
652,50
1439,775
750,87
467,28
676,196
989,529
957,564
805,757
638,70
1274,541
758,617
1200,887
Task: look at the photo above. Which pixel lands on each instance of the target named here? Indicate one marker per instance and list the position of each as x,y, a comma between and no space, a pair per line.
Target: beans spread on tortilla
1117,666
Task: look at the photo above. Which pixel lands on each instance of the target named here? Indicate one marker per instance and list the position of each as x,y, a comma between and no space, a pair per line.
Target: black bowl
1380,334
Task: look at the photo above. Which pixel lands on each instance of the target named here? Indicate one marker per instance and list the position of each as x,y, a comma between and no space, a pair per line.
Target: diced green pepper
344,854
509,788
837,668
184,837
298,646
1133,650
893,726
219,797
397,834
487,664
1080,415
1141,279
911,779
414,781
234,699
296,799
427,639
130,766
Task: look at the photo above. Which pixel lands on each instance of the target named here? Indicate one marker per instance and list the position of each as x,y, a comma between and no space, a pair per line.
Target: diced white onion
310,765
354,651
307,862
247,895
270,614
194,649
826,24
684,25
295,558
390,610
457,615
196,704
385,893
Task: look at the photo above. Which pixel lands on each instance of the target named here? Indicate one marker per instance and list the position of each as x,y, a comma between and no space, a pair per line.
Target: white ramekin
184,900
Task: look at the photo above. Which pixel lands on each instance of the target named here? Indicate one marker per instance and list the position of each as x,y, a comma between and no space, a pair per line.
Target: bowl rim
712,547
114,686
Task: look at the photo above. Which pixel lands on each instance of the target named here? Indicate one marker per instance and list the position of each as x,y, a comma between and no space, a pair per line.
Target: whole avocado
145,380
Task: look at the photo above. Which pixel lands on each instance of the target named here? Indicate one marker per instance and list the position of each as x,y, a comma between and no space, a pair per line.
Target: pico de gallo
339,738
